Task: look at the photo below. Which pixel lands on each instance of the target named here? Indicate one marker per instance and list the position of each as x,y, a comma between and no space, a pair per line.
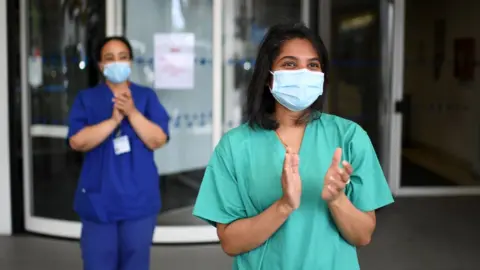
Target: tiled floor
412,234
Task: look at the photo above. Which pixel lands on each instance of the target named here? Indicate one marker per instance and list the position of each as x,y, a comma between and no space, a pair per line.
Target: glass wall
61,35
174,26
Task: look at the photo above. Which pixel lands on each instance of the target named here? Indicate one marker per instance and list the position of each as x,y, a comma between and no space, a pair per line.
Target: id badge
121,145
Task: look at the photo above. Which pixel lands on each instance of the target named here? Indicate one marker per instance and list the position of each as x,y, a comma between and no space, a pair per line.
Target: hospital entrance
441,123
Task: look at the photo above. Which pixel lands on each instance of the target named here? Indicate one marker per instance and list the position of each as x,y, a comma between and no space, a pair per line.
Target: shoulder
236,138
348,130
138,89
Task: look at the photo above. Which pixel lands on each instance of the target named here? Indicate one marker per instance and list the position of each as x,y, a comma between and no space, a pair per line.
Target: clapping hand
291,182
124,103
336,178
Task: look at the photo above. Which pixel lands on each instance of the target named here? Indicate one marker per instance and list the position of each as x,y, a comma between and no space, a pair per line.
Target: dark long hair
260,104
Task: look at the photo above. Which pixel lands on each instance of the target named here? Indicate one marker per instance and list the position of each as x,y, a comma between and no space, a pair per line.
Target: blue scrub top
117,187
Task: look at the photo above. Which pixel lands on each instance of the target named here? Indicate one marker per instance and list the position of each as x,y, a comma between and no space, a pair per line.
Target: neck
117,87
285,117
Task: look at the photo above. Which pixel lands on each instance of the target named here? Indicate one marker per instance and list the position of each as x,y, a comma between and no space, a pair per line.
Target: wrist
338,201
133,113
284,208
114,121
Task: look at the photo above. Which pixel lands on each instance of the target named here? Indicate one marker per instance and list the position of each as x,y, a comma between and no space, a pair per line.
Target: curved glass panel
61,36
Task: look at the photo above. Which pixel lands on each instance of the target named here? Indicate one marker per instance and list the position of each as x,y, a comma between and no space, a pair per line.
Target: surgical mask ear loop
271,83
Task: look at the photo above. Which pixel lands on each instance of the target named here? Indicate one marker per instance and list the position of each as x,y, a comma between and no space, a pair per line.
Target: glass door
57,39
437,89
359,36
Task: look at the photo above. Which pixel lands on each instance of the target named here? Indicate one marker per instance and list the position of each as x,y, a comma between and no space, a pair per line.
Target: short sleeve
77,117
156,113
219,199
368,189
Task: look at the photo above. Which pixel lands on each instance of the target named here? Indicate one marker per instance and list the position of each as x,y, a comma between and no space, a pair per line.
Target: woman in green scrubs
293,188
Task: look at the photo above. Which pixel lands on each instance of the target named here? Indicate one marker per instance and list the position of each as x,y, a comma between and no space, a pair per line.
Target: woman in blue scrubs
118,125
293,188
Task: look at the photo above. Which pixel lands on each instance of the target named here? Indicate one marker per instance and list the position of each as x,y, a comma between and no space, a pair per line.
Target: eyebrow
296,58
112,54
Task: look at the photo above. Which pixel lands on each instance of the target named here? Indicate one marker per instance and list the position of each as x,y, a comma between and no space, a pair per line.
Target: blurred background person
118,125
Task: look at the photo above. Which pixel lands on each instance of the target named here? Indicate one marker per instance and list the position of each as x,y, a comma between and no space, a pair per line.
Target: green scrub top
243,178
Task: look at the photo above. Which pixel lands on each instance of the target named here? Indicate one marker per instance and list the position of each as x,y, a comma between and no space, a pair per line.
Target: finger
117,107
343,175
288,161
295,159
333,191
337,184
348,167
337,157
122,95
121,99
120,105
294,162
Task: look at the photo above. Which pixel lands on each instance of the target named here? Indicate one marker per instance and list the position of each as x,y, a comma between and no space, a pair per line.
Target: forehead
298,48
114,46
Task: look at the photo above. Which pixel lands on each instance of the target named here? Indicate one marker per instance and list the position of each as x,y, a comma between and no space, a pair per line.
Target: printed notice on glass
174,61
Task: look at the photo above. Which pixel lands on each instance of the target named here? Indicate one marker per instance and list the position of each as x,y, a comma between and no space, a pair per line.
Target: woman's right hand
117,116
291,182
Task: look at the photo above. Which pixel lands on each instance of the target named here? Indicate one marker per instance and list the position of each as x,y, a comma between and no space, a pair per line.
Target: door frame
6,217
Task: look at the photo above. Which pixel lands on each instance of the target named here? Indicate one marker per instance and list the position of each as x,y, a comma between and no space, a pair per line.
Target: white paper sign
174,60
35,75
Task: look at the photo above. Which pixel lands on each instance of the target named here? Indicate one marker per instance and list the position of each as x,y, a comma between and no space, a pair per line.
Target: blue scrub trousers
124,245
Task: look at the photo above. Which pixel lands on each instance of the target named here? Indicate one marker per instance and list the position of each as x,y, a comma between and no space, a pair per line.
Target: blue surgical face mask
297,89
117,72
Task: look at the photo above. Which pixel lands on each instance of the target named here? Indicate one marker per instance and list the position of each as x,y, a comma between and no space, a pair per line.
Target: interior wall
5,206
443,109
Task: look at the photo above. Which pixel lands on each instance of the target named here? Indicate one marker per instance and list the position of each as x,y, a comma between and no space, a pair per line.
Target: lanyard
118,131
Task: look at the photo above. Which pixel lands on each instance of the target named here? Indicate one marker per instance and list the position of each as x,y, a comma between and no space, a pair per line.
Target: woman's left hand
336,178
124,102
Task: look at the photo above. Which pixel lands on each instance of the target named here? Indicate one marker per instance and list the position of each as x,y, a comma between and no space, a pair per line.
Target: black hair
102,43
260,104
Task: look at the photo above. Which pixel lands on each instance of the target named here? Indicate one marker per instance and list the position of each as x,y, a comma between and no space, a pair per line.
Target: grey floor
412,234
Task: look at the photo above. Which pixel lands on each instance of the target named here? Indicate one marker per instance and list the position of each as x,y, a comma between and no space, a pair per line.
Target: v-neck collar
281,147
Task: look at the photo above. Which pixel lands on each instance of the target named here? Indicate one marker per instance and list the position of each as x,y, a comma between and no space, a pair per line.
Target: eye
289,64
314,65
